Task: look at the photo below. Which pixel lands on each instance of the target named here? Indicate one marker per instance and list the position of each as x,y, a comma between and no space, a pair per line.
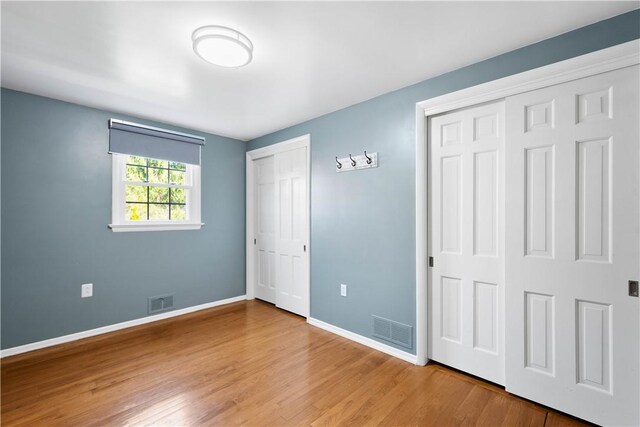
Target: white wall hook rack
361,161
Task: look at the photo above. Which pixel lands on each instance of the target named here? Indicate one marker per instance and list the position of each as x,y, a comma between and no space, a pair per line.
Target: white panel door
264,226
572,246
292,277
466,241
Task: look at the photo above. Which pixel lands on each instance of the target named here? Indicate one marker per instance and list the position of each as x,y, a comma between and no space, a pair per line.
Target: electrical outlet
87,290
343,290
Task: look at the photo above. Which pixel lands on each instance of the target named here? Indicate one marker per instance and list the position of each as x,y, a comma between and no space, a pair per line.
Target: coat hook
369,159
353,162
339,165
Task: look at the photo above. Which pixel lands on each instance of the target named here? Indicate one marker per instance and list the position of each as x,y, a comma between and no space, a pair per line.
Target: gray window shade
147,141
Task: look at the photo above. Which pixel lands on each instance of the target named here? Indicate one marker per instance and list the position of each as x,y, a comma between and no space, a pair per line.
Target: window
151,194
156,178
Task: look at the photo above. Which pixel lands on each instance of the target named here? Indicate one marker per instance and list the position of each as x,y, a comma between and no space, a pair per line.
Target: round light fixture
222,46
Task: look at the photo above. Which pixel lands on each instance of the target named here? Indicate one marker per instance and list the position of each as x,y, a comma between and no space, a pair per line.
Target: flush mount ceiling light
222,46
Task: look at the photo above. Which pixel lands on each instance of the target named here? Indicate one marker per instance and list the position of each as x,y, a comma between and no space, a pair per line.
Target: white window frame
119,222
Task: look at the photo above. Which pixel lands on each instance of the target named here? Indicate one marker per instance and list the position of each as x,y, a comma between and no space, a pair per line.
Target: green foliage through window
153,191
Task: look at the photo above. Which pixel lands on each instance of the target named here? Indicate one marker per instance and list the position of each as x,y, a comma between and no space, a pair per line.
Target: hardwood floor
246,364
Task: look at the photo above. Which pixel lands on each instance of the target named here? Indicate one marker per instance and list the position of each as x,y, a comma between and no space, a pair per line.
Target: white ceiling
309,59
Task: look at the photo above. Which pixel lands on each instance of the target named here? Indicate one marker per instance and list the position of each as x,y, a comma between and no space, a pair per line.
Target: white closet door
466,283
573,245
292,259
265,225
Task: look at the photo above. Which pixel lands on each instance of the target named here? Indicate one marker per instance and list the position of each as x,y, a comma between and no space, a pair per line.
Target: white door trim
270,150
601,61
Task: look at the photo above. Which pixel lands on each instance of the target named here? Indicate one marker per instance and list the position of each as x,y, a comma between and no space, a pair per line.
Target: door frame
601,61
303,141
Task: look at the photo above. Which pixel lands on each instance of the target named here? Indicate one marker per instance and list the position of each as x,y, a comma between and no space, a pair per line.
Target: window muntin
156,190
153,194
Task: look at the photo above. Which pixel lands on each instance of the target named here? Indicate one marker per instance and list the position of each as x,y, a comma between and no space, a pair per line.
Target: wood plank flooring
245,364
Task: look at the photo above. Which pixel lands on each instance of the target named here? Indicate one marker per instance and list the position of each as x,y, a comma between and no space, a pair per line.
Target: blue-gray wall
56,202
363,223
56,191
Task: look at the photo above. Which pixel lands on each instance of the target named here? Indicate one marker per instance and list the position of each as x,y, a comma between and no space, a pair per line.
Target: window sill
120,228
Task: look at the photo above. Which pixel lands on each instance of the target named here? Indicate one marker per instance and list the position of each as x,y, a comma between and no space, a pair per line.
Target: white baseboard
110,328
376,345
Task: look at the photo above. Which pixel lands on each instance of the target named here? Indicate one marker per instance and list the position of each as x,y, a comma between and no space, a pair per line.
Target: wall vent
159,303
395,332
